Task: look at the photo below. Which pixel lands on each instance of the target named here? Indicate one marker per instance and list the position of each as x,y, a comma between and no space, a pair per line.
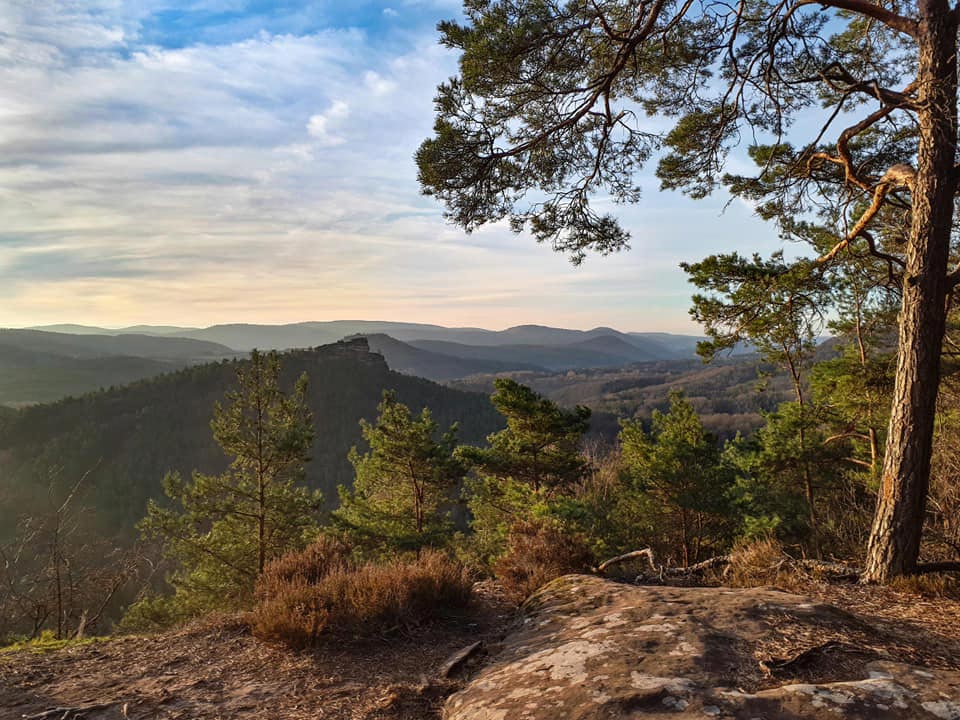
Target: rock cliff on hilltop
592,649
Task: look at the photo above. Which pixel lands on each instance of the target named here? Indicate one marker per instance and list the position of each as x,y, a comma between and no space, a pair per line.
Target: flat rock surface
591,648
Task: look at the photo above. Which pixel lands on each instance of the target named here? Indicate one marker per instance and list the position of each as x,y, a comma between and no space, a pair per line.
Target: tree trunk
684,541
894,545
807,479
261,473
809,495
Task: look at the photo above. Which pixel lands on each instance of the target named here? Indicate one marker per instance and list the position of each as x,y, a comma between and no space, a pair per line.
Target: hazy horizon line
176,326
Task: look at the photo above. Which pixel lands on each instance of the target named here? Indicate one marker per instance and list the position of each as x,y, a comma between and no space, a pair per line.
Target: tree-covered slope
129,437
552,357
28,376
728,393
411,360
92,346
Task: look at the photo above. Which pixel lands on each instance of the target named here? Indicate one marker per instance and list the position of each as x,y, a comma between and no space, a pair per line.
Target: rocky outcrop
591,649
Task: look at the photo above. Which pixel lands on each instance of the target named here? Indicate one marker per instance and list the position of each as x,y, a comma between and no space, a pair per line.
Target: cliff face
592,649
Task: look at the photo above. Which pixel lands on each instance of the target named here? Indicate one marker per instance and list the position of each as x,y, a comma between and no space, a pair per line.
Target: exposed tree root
812,656
927,568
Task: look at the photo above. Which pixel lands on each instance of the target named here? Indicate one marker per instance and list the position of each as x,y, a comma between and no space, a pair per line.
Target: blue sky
211,161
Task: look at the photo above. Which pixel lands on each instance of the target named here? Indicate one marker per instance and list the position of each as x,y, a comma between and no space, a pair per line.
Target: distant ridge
130,344
583,354
132,330
246,336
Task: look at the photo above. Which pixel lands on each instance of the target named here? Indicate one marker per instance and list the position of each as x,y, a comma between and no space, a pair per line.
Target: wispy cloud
165,161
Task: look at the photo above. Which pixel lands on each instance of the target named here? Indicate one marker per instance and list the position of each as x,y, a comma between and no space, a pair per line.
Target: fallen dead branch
646,552
832,570
663,571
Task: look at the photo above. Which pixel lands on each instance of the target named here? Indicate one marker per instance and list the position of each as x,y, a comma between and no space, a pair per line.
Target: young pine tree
540,446
228,526
536,459
403,483
678,466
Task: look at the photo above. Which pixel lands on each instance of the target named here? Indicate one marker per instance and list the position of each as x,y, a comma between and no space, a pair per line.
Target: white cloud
378,84
323,127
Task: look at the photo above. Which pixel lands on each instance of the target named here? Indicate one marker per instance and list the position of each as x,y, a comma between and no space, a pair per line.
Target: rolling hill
603,351
624,349
38,366
135,345
245,336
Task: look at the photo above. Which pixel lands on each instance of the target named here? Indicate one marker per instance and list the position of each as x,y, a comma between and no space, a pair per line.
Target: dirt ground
217,670
925,631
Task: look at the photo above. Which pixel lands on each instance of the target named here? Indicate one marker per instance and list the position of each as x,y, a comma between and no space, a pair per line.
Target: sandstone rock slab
592,649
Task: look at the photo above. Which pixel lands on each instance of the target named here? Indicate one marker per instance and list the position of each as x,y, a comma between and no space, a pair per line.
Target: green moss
47,642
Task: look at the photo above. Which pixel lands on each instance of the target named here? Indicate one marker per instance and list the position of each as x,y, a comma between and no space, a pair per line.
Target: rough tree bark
894,544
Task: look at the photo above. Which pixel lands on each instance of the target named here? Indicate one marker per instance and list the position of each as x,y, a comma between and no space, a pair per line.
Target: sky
197,162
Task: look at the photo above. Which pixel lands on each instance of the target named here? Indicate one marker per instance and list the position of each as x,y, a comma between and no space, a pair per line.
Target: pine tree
776,307
540,445
533,461
405,482
678,465
228,526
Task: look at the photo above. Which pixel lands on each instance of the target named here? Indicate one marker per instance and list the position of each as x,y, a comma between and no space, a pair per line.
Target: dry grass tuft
320,593
538,552
763,562
931,586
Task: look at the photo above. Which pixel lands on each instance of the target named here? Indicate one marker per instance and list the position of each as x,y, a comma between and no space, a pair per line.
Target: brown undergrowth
762,562
538,552
309,597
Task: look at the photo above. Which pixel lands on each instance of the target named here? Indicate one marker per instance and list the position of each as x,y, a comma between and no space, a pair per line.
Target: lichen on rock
593,649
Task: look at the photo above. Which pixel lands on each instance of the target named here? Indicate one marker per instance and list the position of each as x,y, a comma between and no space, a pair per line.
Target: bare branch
901,175
899,23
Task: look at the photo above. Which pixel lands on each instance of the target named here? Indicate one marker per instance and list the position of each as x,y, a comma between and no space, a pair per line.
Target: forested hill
45,366
129,437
